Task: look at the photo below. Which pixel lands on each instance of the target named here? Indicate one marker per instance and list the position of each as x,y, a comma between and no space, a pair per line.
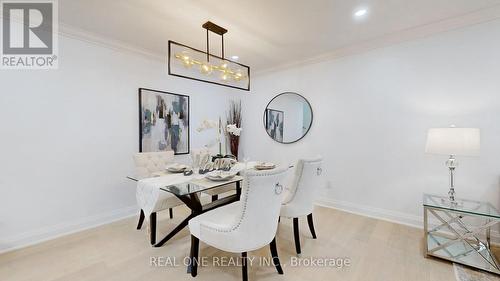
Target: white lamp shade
453,141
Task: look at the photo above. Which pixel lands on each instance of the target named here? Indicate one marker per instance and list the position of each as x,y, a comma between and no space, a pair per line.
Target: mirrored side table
460,233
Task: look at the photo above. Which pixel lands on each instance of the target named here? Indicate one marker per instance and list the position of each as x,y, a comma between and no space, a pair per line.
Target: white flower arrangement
230,129
234,130
208,124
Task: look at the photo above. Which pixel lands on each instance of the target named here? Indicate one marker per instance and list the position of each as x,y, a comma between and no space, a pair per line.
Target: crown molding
73,32
98,40
477,17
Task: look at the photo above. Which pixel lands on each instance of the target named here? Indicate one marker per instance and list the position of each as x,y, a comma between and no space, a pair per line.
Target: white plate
264,166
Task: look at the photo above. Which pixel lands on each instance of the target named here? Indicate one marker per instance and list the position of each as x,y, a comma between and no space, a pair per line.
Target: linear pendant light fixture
187,62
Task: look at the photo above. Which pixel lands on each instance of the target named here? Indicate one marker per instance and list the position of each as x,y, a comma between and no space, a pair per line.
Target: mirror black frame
310,124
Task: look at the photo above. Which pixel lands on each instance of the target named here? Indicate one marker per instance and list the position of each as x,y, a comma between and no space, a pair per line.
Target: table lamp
453,142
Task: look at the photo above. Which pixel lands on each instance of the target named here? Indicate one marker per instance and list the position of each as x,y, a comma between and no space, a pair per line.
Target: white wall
371,115
68,136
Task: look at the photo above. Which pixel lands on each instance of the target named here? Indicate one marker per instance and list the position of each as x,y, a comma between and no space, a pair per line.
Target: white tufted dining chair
299,198
150,164
246,225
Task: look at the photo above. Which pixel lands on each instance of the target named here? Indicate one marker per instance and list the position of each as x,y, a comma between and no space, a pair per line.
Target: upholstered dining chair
246,225
149,164
299,197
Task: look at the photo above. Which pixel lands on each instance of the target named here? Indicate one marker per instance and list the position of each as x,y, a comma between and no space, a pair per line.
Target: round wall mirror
288,117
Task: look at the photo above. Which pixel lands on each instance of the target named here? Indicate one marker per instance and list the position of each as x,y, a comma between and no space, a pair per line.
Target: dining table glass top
198,185
185,185
196,182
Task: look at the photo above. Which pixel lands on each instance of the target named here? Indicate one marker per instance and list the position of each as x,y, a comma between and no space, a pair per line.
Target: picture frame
275,124
163,121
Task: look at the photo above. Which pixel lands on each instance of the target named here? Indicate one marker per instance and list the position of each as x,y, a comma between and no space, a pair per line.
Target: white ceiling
264,33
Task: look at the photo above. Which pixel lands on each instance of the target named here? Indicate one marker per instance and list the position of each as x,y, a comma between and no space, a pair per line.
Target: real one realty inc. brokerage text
166,261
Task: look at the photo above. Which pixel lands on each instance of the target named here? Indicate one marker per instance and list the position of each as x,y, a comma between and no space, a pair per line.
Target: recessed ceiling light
360,13
235,57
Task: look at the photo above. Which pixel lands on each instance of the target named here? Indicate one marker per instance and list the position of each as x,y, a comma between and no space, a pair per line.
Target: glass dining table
189,193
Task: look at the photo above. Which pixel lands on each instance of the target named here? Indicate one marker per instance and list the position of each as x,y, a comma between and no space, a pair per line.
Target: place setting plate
177,168
264,166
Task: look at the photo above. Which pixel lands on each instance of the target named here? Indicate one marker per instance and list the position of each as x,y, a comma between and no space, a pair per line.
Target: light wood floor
378,250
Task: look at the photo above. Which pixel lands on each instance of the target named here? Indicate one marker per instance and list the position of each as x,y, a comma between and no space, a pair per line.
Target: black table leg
176,230
193,202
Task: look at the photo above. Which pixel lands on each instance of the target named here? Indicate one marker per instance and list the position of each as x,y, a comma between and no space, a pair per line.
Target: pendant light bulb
225,77
206,68
238,76
186,59
187,63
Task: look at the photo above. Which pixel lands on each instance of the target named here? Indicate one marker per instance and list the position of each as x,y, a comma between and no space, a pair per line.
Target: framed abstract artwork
274,124
163,121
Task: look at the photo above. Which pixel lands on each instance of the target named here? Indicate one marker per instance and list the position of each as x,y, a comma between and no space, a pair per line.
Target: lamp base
451,203
452,164
451,194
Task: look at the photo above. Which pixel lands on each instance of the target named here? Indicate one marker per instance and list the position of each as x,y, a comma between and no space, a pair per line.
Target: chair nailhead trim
247,190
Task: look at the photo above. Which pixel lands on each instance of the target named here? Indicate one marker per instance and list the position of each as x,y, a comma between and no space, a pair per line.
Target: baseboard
386,215
48,233
26,239
372,212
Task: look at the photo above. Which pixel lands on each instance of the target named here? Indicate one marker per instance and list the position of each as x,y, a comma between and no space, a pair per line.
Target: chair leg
311,225
296,235
215,197
244,270
195,245
171,213
141,219
152,227
279,219
274,254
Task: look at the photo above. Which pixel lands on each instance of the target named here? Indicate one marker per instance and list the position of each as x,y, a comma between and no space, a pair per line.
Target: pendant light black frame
209,26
